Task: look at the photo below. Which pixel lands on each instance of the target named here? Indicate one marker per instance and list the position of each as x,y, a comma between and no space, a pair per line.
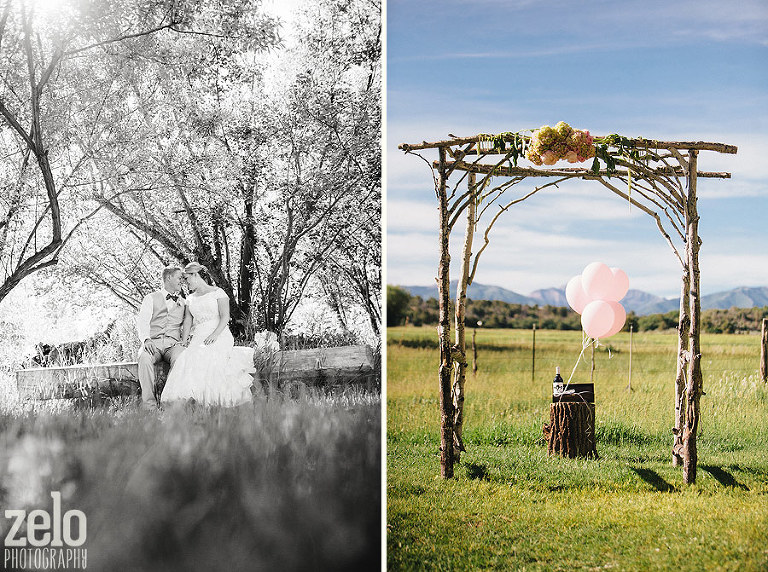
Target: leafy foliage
398,302
513,143
208,140
607,149
624,147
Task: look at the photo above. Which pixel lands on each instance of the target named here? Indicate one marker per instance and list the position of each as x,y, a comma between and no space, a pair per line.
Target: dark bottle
557,383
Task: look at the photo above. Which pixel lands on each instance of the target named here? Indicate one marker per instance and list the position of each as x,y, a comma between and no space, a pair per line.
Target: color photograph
577,285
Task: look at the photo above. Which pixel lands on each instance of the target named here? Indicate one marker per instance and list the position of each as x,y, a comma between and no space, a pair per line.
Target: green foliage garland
625,147
513,143
516,143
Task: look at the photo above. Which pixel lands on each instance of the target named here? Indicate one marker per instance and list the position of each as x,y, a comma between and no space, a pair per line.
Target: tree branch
70,53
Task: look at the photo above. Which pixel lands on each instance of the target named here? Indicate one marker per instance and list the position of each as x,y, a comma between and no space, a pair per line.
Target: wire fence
633,358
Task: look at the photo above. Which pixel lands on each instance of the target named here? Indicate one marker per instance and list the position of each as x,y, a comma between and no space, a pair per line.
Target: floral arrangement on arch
550,144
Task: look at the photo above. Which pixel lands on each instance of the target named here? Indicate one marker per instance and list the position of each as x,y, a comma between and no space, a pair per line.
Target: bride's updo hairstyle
202,271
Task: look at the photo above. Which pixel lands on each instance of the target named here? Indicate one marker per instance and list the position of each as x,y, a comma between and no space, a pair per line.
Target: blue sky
661,70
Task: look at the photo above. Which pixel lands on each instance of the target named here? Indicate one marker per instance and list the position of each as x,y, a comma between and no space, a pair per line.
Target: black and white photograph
191,285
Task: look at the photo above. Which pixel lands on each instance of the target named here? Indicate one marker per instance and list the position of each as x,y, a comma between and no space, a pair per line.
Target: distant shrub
303,341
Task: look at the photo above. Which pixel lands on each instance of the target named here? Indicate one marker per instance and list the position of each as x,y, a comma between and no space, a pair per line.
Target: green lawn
511,507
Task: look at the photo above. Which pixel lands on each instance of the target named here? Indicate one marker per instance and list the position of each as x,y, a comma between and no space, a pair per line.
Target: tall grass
288,484
510,506
284,483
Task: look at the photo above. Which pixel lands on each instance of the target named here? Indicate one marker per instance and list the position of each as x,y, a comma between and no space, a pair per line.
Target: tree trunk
694,387
682,360
571,430
444,330
247,261
460,373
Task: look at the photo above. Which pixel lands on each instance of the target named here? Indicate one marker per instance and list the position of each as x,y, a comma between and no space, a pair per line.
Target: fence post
533,354
764,351
629,385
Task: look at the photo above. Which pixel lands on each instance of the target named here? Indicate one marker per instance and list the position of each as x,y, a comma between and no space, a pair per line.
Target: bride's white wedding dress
216,374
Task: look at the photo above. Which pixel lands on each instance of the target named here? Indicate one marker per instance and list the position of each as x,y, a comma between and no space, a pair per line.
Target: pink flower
548,145
548,158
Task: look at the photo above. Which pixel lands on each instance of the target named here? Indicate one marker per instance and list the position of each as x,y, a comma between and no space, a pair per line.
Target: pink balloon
619,318
597,318
597,280
619,287
574,293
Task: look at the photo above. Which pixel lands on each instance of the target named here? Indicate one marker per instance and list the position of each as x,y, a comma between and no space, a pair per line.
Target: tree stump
571,430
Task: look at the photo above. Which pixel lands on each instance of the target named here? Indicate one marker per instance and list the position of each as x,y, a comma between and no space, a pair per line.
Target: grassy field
281,484
510,507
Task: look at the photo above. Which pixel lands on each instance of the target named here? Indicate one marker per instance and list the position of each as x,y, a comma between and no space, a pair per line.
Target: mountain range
641,303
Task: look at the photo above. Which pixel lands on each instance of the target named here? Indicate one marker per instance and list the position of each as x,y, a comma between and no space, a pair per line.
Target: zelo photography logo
39,540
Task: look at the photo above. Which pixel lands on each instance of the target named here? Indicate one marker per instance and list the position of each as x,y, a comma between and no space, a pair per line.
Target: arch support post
444,327
460,372
694,378
682,365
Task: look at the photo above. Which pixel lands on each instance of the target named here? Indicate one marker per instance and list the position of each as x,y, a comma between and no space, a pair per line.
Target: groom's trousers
168,350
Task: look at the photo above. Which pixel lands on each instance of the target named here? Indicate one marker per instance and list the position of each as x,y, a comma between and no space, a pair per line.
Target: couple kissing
193,336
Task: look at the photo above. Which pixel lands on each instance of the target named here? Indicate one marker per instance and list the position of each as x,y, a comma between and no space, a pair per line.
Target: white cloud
411,216
726,270
747,166
662,23
531,252
551,236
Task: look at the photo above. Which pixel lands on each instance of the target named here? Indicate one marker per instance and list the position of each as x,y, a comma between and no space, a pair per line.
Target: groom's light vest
165,323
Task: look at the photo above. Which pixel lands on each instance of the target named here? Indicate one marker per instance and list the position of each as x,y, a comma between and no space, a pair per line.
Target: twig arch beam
660,178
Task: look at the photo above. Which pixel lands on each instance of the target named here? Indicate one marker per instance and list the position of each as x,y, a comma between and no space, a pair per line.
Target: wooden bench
313,367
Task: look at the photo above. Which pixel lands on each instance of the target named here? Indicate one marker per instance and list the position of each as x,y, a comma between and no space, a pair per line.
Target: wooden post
629,374
533,355
683,327
592,367
444,328
474,351
460,347
764,351
694,381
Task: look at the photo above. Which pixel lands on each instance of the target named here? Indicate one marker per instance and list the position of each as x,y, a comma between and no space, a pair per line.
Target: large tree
167,164
264,168
210,142
327,184
37,100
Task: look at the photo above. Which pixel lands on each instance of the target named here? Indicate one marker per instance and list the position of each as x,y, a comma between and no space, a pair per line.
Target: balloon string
585,343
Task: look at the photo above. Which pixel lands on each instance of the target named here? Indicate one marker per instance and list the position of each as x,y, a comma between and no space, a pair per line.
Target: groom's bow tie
174,297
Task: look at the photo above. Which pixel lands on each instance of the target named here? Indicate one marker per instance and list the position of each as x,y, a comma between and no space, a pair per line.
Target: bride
210,370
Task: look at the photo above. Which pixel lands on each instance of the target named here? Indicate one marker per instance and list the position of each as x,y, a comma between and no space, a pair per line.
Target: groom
159,327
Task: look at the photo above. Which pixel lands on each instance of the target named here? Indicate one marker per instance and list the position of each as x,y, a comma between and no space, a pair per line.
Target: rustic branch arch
660,178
